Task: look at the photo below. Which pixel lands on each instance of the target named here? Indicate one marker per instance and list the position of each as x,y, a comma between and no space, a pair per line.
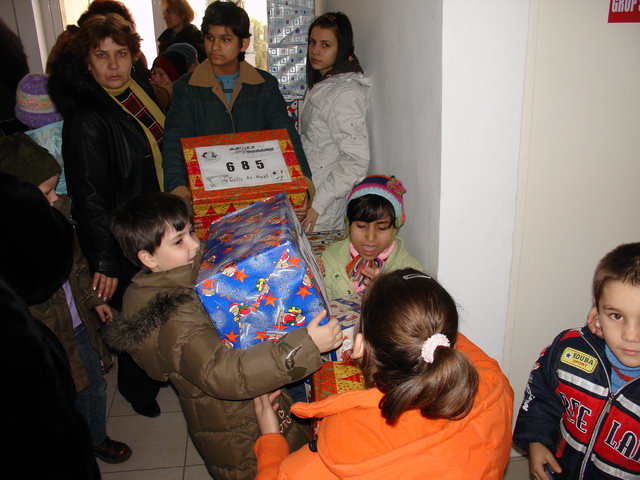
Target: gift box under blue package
258,279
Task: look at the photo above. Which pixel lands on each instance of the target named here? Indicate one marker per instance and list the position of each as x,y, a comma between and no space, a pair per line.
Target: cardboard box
231,171
258,279
333,378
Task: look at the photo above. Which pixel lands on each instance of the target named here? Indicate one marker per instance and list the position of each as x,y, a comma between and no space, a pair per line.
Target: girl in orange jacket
436,405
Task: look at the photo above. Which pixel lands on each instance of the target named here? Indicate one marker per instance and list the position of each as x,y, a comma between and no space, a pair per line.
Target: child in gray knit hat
68,313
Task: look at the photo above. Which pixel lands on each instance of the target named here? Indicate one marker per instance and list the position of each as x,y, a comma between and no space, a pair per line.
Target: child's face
619,318
175,250
323,49
222,47
48,188
370,239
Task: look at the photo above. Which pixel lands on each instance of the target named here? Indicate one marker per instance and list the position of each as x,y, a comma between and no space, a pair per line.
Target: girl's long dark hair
399,313
346,60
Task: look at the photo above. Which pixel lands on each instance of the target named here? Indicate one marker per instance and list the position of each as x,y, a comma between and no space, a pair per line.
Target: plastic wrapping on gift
258,279
347,312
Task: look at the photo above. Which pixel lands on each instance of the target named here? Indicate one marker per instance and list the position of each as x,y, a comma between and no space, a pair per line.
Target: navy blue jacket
569,407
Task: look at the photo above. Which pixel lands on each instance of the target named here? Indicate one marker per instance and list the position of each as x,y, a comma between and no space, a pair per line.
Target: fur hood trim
125,333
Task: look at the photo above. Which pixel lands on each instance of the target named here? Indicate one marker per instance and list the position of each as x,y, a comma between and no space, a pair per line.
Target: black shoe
111,451
148,409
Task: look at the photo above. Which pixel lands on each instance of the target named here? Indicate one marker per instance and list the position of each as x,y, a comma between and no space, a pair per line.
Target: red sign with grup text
624,11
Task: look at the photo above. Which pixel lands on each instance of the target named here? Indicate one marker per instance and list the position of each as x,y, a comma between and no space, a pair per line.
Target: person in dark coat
38,396
111,144
178,16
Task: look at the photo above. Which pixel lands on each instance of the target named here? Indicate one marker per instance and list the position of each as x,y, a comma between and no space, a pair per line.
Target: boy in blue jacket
580,417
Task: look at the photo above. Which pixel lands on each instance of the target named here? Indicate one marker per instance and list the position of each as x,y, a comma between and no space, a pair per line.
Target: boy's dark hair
620,264
345,57
370,208
401,310
141,223
227,14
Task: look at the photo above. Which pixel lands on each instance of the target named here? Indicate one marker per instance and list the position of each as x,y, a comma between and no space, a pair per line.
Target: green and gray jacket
335,258
55,314
168,333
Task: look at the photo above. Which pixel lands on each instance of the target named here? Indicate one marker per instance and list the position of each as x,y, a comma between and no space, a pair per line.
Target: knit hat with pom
34,107
387,187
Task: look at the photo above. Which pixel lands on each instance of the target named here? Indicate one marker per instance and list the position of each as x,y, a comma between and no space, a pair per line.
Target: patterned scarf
357,264
132,103
134,100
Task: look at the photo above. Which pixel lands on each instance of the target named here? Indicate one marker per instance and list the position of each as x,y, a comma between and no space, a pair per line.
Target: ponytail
400,312
444,389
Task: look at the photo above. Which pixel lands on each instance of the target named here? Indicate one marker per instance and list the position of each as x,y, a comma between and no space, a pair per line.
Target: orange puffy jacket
354,440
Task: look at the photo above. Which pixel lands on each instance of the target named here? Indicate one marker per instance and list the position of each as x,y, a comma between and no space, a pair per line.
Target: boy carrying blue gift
166,330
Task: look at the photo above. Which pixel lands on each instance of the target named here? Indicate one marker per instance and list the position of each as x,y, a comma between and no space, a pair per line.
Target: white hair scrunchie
429,346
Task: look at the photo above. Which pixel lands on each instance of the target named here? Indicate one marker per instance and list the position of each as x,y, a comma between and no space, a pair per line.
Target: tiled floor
161,446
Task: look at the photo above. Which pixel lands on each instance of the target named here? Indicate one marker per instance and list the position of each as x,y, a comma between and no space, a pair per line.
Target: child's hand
266,412
310,219
593,326
326,337
104,312
539,456
370,274
320,263
104,286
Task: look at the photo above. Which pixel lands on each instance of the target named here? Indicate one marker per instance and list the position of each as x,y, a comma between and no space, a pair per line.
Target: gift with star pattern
259,279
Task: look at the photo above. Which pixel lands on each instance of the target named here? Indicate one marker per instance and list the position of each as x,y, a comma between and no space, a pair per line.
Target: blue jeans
92,401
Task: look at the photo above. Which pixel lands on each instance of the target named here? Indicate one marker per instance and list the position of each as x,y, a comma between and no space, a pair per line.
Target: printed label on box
243,165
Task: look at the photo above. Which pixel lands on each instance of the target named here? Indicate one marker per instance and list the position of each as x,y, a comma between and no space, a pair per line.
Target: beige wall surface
578,194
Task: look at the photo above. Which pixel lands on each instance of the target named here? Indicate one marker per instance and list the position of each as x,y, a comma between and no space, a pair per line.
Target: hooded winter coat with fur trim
166,330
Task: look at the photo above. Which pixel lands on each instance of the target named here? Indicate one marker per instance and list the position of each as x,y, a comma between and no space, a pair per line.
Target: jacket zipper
233,126
603,413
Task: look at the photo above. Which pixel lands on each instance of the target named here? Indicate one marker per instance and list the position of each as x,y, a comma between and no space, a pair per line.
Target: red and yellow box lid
212,200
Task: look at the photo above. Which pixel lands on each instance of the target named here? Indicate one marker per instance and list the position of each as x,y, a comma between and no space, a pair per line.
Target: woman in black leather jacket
111,146
108,156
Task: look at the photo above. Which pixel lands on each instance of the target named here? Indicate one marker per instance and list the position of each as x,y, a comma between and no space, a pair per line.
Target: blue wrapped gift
259,279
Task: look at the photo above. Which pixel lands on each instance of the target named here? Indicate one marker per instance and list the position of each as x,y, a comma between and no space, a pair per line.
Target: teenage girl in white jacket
333,121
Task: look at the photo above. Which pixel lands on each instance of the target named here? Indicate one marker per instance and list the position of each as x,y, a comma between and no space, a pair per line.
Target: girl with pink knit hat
375,212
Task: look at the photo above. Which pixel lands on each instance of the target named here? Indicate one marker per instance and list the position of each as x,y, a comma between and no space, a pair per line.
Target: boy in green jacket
168,333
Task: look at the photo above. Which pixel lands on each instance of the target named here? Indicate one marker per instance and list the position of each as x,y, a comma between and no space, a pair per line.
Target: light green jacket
337,256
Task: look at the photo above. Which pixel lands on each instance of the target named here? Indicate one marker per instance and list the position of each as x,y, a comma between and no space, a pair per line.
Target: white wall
445,117
399,44
483,58
578,194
